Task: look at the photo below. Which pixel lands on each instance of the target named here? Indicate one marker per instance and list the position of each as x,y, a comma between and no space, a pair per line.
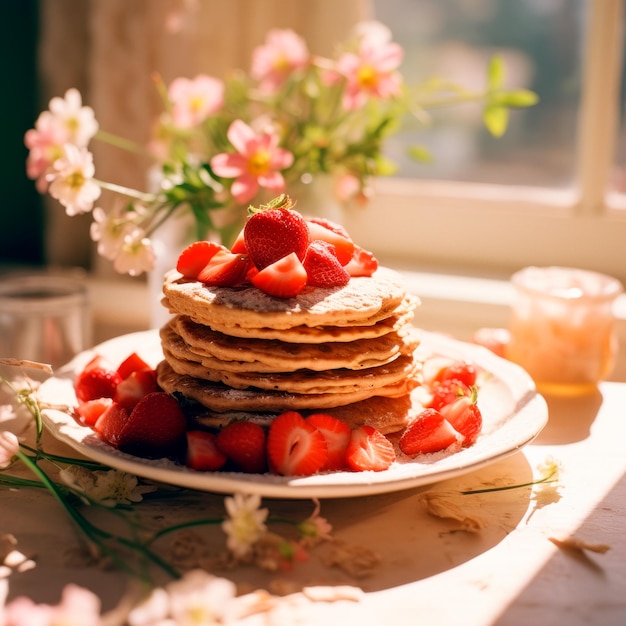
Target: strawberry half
195,257
323,267
244,444
295,447
110,424
99,379
89,412
465,417
274,233
428,432
225,269
325,230
285,278
337,436
202,452
131,363
369,449
362,263
135,386
154,427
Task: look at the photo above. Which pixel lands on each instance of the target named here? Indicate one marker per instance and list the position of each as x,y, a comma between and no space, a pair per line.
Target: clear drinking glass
44,318
562,327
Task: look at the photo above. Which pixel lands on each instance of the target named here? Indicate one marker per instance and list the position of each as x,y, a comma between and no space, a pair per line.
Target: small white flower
79,121
109,230
136,254
71,181
200,599
550,469
153,611
9,445
245,524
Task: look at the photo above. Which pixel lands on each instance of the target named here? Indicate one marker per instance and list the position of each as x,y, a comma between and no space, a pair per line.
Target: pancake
362,302
214,349
219,397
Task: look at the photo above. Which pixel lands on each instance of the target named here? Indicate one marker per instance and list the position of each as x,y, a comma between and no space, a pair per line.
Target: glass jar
562,327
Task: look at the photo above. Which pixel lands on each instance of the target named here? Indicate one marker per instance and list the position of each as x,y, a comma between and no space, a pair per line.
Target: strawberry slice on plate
244,444
428,432
337,436
295,447
202,451
131,363
285,278
465,417
155,426
98,379
369,449
135,386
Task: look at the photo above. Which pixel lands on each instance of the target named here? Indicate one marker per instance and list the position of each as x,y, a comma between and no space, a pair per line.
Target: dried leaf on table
575,543
441,505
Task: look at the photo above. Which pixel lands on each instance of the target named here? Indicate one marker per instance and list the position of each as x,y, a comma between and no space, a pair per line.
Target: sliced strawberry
154,427
98,379
446,392
465,417
362,263
202,452
239,246
135,386
195,257
225,269
334,227
285,278
369,450
323,267
461,370
295,447
324,230
273,233
244,444
89,412
337,436
428,432
131,363
110,424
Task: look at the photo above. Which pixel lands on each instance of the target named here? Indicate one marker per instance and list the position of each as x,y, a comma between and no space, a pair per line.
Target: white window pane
541,42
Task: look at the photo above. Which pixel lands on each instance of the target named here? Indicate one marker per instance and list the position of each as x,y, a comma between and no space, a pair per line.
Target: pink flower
9,445
45,143
195,100
255,164
71,180
371,72
283,52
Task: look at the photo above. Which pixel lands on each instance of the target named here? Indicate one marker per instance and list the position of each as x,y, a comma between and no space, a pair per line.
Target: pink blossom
256,163
283,52
79,121
45,143
9,445
195,100
71,180
372,72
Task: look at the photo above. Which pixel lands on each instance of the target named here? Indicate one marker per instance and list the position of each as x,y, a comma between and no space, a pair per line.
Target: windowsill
452,304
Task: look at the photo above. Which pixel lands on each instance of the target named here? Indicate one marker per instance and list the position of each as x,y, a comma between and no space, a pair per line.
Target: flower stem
540,481
120,142
126,191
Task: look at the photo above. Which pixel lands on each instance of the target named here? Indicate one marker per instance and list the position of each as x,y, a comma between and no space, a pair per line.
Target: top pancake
363,301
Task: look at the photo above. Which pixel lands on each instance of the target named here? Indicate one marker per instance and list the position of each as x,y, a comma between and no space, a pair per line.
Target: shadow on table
570,418
411,543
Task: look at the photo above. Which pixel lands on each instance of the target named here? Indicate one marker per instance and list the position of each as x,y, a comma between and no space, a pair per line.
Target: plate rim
530,410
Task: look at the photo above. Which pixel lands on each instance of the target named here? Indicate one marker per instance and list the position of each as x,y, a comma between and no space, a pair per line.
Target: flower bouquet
220,145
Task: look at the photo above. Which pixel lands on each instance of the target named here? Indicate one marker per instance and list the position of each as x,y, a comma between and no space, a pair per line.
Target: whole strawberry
275,231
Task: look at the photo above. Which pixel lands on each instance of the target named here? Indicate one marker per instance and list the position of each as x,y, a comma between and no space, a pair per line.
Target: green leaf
496,119
421,154
495,72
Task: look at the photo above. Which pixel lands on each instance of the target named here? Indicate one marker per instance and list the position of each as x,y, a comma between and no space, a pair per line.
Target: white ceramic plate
513,413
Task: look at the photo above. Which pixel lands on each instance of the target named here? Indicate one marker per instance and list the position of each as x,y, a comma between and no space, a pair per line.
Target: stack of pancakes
349,351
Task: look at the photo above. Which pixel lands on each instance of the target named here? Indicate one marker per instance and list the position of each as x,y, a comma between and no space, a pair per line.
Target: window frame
494,230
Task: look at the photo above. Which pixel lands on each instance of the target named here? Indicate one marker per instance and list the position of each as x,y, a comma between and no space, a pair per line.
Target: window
552,191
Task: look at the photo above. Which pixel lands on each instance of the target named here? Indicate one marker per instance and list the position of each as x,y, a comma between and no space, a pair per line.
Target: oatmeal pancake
216,349
219,397
363,301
